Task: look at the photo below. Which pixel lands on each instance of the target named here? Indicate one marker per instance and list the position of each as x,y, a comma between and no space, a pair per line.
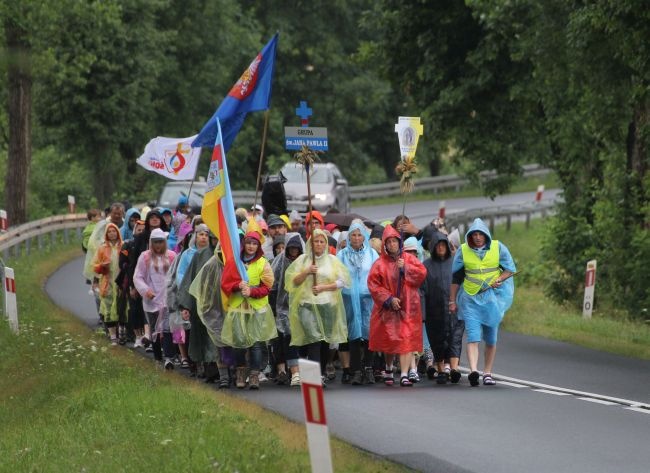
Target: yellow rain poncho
315,318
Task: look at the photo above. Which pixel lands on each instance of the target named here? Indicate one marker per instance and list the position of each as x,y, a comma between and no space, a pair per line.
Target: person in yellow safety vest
249,321
481,292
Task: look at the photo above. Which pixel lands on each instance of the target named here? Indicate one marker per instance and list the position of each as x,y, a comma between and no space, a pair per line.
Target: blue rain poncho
487,307
127,230
356,298
315,318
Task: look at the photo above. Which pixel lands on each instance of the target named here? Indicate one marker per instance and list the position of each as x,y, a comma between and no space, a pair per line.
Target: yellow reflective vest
254,271
480,273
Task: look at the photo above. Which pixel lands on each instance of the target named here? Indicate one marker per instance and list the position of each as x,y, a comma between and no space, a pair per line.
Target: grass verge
71,403
533,313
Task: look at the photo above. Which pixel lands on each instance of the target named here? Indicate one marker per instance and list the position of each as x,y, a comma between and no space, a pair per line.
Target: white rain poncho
356,298
315,318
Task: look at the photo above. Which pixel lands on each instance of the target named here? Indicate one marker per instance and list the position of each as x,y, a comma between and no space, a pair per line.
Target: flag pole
259,167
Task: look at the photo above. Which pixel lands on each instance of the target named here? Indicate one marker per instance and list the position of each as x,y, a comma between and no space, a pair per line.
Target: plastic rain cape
321,317
279,265
94,242
206,289
244,325
357,299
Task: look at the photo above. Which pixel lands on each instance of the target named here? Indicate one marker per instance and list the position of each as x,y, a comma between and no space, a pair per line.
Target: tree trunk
19,103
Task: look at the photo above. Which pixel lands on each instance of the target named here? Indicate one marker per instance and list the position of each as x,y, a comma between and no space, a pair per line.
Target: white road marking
599,401
555,393
638,409
514,385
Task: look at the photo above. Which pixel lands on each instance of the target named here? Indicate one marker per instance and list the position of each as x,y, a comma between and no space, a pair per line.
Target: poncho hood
479,225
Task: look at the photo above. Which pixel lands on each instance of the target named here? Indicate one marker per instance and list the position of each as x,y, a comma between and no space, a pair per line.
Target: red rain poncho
395,331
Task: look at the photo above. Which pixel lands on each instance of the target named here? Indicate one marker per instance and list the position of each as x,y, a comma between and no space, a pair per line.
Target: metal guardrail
430,184
22,236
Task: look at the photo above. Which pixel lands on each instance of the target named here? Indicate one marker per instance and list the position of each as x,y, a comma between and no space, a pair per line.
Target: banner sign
173,158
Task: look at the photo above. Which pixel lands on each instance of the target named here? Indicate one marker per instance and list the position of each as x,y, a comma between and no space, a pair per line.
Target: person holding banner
316,311
249,320
481,292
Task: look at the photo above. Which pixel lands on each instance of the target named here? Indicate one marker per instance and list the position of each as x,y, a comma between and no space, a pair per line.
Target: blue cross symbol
304,112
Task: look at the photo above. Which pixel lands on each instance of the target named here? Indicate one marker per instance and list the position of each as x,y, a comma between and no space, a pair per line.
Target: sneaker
473,378
388,378
295,379
263,378
431,372
346,377
369,376
330,371
357,378
413,376
282,378
441,378
169,364
138,343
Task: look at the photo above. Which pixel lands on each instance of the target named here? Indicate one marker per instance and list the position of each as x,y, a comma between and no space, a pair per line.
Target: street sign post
314,138
318,438
4,221
72,204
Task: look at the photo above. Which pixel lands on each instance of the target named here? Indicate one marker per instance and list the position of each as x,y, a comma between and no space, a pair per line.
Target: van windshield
296,173
170,194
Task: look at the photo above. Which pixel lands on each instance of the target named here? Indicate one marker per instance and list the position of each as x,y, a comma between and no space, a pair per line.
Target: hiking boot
254,380
282,378
240,377
369,376
357,378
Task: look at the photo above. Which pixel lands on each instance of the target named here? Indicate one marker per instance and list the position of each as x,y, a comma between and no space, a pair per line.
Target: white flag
173,158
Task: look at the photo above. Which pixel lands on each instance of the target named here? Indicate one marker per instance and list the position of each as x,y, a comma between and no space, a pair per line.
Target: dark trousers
359,352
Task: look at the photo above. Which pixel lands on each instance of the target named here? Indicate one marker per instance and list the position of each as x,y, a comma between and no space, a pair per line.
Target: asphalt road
422,212
511,427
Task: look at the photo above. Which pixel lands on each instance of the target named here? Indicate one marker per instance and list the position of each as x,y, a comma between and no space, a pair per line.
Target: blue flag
251,93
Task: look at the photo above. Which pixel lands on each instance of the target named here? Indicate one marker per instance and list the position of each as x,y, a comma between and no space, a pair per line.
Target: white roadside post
11,307
4,221
72,204
441,209
590,285
318,438
540,192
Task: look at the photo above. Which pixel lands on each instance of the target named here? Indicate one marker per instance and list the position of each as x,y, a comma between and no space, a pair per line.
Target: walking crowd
391,299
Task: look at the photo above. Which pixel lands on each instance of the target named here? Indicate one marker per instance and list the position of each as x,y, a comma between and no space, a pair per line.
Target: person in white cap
150,280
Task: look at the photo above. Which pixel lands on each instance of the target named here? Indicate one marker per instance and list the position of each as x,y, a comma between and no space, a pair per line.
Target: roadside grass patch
72,403
533,313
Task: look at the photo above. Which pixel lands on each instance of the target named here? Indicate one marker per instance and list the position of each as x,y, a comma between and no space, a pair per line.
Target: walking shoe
224,382
138,343
369,375
473,378
324,381
413,376
431,372
330,371
169,364
145,341
254,380
282,378
454,375
388,378
240,377
113,341
441,378
346,377
357,378
295,379
263,378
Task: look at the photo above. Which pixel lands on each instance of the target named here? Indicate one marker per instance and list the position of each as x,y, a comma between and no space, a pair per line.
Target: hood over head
389,232
479,225
436,238
294,240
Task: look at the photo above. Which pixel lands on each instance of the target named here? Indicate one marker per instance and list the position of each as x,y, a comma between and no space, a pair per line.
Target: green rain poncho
315,318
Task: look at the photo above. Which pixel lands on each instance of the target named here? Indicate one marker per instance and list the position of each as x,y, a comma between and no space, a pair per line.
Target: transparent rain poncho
250,320
315,318
94,242
206,290
356,298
